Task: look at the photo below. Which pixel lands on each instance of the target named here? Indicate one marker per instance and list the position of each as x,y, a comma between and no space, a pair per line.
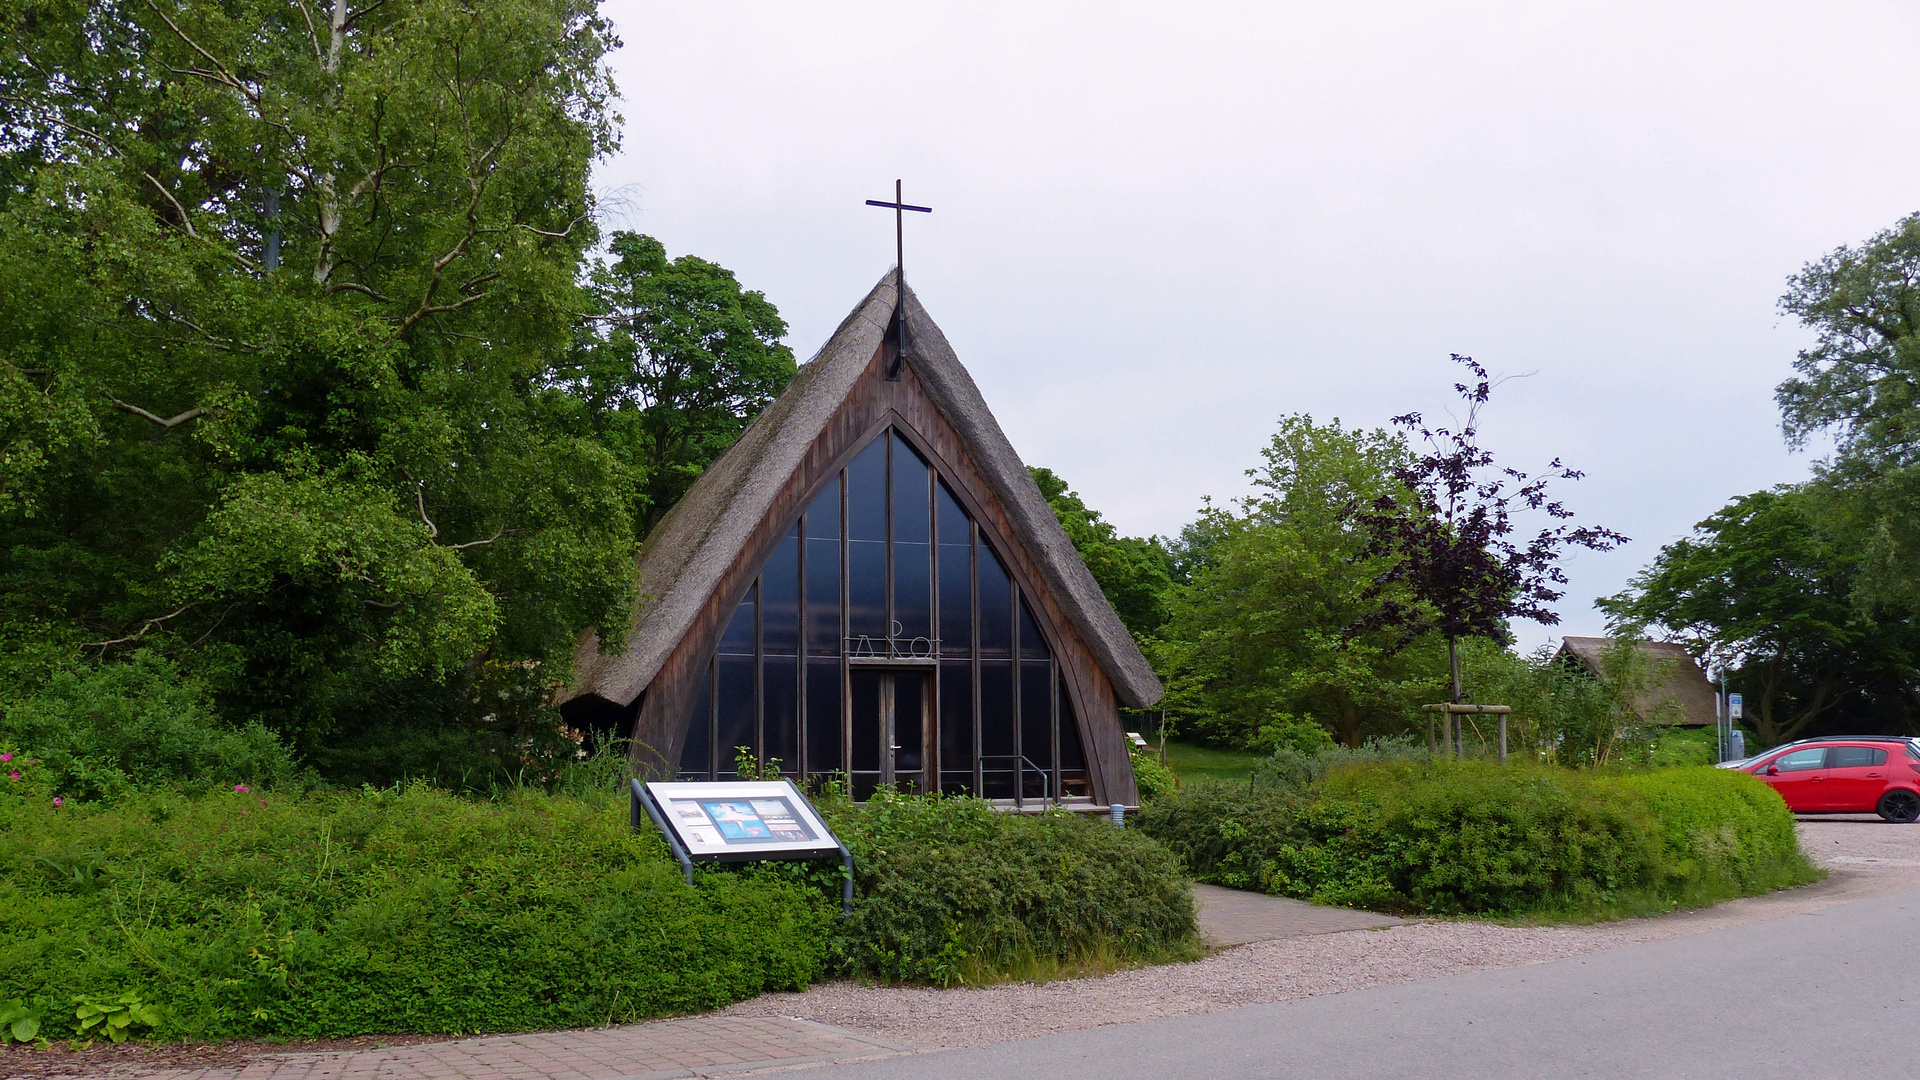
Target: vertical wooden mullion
973,649
930,751
800,660
846,670
759,679
713,718
888,496
1019,689
1053,706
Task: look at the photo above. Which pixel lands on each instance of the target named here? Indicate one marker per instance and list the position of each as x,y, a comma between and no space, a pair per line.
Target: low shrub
949,889
1726,834
1469,837
1299,768
105,731
1683,746
1153,776
242,914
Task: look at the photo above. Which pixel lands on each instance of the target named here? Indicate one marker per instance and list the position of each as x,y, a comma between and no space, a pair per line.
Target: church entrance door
890,716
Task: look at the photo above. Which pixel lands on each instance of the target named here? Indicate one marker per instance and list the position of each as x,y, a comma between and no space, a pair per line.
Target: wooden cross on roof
899,206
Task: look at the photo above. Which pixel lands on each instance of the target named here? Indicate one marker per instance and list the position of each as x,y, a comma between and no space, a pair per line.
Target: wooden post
1456,735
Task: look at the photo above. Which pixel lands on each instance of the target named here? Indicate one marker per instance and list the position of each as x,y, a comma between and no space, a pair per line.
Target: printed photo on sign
696,826
784,823
737,821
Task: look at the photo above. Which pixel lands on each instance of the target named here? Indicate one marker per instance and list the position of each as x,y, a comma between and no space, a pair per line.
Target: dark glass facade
884,640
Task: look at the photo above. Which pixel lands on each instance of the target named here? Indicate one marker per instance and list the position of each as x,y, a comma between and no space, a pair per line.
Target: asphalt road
1828,994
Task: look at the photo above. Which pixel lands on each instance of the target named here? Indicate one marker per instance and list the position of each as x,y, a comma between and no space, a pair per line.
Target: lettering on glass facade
885,640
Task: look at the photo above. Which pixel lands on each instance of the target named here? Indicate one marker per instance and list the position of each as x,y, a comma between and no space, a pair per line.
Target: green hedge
243,914
1725,833
949,889
284,914
1454,837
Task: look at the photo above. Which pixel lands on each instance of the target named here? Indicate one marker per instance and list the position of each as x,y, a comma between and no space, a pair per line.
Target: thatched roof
1688,684
688,553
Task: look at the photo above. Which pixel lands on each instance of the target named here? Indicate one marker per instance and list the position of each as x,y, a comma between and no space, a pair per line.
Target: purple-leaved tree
1451,565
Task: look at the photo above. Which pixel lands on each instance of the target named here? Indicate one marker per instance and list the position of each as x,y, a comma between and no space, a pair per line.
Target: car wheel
1900,805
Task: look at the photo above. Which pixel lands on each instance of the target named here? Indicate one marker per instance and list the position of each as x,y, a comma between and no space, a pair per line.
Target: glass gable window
885,640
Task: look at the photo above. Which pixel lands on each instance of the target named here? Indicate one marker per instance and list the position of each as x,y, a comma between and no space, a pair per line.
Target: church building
869,583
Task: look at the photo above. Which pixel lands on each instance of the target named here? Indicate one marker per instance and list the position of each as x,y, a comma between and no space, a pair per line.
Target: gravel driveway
1864,857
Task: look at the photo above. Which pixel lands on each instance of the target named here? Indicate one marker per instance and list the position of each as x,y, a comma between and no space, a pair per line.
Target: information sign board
737,821
1734,704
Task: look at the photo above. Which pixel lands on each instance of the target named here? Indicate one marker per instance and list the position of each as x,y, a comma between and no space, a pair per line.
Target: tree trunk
1349,722
1453,663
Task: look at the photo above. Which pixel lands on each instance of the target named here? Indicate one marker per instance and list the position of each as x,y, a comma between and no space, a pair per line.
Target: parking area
1860,842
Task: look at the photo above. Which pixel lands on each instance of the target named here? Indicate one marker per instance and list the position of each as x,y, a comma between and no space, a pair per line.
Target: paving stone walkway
658,1050
1233,917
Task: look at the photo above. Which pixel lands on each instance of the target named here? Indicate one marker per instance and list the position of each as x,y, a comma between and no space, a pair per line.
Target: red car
1861,774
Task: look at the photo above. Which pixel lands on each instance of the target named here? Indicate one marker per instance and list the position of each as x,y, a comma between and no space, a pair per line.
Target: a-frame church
870,583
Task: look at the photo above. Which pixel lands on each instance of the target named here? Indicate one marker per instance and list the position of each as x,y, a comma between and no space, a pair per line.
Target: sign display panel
750,819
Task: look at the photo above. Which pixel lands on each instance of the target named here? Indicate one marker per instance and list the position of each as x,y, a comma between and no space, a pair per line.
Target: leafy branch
1449,565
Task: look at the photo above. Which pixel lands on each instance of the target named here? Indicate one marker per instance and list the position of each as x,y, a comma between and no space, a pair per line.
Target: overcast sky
1159,228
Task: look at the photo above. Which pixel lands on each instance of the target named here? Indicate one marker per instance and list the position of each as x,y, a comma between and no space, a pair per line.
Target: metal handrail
1020,776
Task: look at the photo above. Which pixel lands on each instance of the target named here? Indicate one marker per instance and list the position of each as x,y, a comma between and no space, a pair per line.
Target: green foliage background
310,382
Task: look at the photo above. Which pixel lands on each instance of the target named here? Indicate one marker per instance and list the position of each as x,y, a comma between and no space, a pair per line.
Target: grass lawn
1191,762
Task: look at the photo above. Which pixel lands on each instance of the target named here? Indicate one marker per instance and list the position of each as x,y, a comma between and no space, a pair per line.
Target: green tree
279,288
1134,572
1861,379
1767,586
674,365
1256,648
1860,384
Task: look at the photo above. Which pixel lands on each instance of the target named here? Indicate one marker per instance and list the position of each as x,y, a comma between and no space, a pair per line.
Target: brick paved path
1233,917
693,1046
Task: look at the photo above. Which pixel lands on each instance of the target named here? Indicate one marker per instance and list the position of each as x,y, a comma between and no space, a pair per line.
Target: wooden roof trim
688,555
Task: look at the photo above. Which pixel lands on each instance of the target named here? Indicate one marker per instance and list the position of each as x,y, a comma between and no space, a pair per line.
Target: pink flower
13,774
56,802
6,757
241,788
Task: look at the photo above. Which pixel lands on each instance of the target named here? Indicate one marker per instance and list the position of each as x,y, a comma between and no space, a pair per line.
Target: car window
1856,757
1813,757
1913,750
